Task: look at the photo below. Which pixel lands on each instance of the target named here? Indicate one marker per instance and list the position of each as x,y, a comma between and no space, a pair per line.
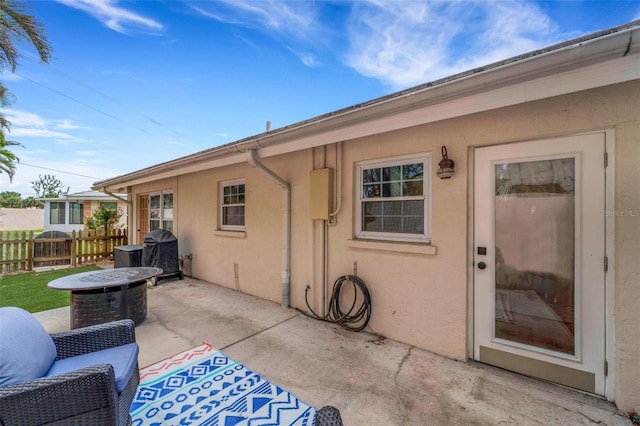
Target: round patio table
107,295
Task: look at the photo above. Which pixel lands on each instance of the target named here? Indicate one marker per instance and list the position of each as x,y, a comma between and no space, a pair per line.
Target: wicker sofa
98,392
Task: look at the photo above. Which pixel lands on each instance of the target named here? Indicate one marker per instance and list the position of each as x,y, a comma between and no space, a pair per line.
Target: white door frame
609,250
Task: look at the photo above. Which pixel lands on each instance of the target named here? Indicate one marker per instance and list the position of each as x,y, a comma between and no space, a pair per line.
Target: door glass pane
535,253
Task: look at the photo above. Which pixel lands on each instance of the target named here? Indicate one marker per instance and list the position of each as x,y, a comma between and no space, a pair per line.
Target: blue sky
135,83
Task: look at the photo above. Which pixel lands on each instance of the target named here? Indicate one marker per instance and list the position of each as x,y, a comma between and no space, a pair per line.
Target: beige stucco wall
627,266
419,299
21,219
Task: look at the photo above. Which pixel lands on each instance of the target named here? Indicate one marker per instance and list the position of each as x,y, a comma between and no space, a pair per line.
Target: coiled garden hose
353,319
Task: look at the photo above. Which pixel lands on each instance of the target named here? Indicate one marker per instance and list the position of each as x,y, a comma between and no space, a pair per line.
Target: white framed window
76,213
56,213
111,205
393,199
232,204
161,211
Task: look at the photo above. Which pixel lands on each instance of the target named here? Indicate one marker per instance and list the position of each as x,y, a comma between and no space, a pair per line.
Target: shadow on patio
371,381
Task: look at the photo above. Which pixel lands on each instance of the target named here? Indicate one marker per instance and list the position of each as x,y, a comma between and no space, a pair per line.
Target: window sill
399,247
232,234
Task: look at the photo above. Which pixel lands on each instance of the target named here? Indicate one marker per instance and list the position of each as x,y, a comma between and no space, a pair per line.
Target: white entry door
539,259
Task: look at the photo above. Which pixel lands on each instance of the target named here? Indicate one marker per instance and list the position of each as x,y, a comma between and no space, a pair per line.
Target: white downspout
286,223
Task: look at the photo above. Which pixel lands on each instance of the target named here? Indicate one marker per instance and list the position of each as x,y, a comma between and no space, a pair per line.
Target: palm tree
7,158
15,25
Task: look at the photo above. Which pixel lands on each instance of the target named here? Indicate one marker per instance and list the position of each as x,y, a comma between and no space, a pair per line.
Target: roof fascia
609,59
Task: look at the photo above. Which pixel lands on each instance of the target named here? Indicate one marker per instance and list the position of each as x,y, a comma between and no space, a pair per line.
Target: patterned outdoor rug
202,386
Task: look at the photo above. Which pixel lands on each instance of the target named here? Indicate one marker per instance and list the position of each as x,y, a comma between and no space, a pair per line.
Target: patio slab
372,381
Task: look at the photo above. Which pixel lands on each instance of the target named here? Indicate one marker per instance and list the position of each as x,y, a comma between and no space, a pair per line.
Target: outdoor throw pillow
26,349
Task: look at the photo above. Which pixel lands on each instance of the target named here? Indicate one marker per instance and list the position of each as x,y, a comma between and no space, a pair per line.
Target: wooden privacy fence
23,251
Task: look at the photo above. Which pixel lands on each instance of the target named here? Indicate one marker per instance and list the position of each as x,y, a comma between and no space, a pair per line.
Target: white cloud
66,125
88,153
23,118
308,59
110,14
10,76
43,133
295,22
292,18
407,43
28,124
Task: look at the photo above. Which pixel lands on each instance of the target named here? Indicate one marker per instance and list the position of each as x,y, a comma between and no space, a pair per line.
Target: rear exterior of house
526,258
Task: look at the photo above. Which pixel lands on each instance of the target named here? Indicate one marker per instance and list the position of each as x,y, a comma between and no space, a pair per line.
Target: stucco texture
419,299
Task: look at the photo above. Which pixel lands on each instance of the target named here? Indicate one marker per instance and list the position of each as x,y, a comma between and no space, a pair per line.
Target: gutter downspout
286,223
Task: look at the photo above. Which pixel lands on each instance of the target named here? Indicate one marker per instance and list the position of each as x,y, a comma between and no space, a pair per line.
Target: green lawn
29,291
8,235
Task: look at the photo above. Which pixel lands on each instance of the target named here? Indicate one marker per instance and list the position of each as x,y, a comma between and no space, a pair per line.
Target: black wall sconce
446,165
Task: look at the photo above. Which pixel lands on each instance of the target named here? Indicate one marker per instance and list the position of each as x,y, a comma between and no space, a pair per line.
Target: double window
232,197
161,211
392,200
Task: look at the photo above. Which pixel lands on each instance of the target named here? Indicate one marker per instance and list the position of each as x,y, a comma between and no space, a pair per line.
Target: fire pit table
98,297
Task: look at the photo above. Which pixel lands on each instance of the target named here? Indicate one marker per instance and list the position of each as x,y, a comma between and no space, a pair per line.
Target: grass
8,235
29,291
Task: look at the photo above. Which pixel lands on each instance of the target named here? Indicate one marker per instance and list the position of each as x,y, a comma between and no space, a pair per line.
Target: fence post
30,252
74,249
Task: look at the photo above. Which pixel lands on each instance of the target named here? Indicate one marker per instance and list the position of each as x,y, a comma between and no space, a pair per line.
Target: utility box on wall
320,193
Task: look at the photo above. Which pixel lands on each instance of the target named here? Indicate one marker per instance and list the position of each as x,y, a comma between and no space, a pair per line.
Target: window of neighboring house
232,198
56,213
76,213
161,211
392,200
111,205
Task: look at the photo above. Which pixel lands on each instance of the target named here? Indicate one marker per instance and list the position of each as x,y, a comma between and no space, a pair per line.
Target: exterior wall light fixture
446,165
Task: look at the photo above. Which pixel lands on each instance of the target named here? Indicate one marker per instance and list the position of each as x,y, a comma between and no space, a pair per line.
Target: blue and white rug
202,386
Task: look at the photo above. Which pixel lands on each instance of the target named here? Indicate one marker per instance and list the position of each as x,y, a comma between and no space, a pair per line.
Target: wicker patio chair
87,396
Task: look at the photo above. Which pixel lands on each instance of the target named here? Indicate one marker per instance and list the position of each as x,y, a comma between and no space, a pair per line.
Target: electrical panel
320,193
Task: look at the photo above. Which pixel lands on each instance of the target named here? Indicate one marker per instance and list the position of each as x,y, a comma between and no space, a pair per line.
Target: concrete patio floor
371,381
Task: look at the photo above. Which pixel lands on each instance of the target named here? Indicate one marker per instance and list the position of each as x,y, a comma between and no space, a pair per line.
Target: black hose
352,319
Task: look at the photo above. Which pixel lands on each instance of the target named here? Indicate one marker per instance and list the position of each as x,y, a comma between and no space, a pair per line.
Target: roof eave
596,48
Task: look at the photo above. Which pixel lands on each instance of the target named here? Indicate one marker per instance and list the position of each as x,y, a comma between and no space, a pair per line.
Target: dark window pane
413,208
371,191
392,189
412,188
154,202
373,208
392,208
110,205
371,175
413,171
167,201
56,214
413,225
391,173
76,213
233,215
392,224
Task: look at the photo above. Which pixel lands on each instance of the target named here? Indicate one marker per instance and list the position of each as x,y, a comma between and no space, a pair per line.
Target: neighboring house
526,258
69,212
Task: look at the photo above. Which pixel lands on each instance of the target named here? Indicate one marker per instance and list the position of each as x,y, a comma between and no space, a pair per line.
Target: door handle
482,265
